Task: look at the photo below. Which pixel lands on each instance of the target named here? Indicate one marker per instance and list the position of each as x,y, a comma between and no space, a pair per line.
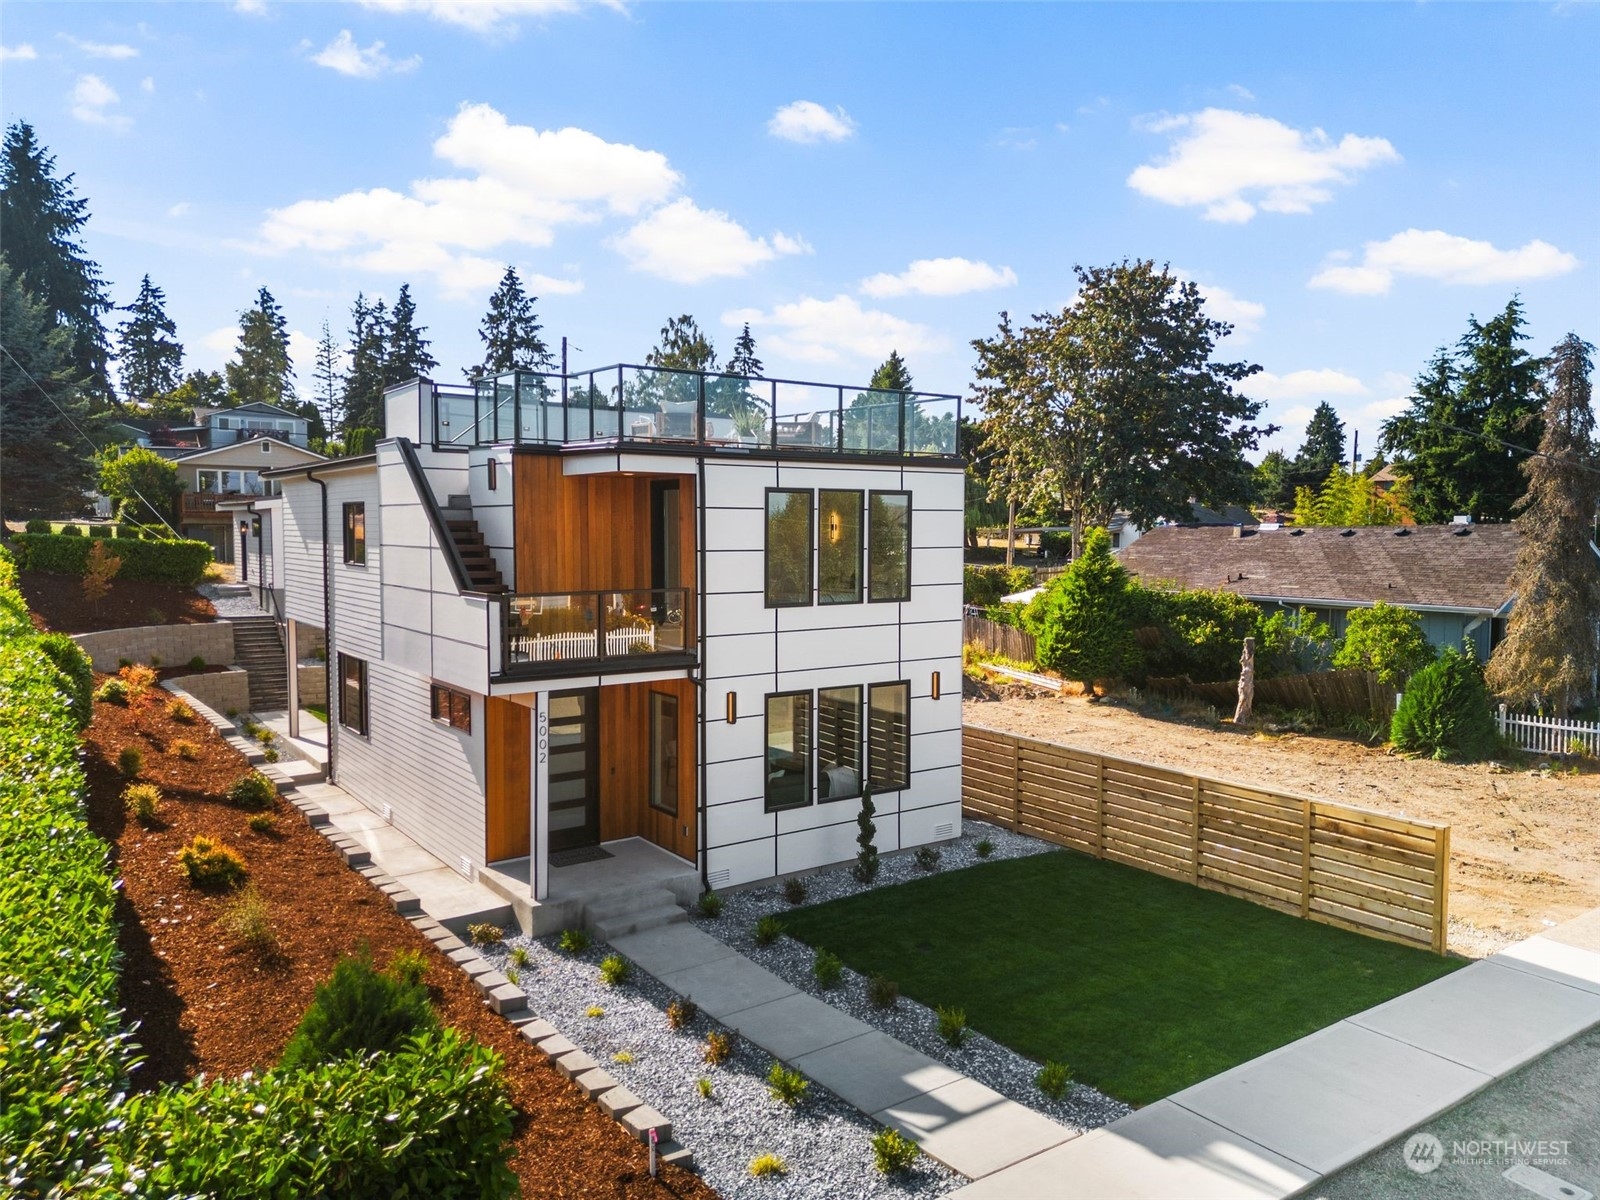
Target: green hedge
986,585
178,561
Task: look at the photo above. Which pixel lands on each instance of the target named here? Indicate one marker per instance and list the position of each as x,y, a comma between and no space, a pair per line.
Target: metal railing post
838,433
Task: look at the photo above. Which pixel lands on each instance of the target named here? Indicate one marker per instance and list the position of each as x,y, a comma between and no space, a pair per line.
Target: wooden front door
574,761
508,728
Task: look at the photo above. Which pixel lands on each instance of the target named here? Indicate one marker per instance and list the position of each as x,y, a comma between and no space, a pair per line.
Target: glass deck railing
671,407
576,627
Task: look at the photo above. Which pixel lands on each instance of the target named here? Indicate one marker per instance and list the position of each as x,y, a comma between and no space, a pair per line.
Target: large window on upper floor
889,546
839,547
788,548
889,736
355,533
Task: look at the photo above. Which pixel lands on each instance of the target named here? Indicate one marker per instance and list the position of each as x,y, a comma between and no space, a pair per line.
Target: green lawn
1142,985
317,711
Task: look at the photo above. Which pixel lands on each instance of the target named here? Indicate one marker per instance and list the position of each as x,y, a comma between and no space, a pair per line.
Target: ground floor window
664,752
353,693
889,736
838,743
845,735
788,750
452,708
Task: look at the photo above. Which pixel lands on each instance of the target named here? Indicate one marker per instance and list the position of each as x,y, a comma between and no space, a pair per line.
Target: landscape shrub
138,679
197,663
711,905
37,525
882,992
179,561
360,1010
794,890
1053,1079
66,531
248,921
253,792
827,968
1446,711
986,585
184,749
485,933
181,711
681,1012
703,1086
263,822
142,800
927,858
615,970
786,1085
1197,632
953,1025
1083,621
764,1166
211,863
573,941
866,868
519,956
77,675
768,930
892,1152
984,847
1386,639
1293,643
718,1047
130,762
112,691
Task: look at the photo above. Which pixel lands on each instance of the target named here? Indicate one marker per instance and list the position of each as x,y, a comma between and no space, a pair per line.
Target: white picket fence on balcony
1547,735
554,647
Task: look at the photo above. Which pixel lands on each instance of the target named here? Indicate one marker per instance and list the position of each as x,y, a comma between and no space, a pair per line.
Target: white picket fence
1546,735
553,647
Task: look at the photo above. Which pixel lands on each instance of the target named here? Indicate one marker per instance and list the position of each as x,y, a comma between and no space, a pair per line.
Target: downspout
700,637
330,662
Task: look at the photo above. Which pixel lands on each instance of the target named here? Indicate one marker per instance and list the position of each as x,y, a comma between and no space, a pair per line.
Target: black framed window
788,741
789,542
452,708
889,546
839,547
664,752
355,533
889,736
838,743
353,693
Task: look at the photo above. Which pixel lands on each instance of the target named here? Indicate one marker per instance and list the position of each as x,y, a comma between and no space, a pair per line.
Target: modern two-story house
678,619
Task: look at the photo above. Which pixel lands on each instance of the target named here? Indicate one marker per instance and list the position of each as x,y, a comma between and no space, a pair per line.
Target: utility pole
1011,534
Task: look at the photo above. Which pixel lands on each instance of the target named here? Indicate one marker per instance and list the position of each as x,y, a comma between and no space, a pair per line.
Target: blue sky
1347,182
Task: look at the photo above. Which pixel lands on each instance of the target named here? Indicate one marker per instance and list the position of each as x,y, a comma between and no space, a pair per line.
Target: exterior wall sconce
935,687
834,528
733,708
494,474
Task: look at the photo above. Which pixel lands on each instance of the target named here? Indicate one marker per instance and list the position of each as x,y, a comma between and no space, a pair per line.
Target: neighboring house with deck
1456,577
671,619
231,471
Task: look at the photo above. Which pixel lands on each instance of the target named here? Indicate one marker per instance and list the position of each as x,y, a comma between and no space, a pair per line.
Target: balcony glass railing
578,627
670,407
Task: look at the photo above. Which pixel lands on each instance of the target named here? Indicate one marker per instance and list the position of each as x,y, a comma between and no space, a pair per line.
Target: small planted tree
1386,639
1446,710
866,868
99,570
1082,620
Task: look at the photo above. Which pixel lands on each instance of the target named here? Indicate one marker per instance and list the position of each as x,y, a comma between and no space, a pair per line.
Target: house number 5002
543,736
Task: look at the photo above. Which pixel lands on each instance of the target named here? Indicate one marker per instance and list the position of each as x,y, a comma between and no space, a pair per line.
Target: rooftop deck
698,409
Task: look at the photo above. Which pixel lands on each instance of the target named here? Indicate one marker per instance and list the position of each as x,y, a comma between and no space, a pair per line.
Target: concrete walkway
1273,1126
970,1128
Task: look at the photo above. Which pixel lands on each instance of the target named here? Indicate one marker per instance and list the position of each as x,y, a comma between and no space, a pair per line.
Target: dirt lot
57,603
1524,849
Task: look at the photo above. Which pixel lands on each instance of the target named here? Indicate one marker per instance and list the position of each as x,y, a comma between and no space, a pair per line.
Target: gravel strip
231,605
825,1142
981,1058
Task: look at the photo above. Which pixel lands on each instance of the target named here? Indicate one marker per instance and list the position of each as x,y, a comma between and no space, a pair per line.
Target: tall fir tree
325,378
406,357
683,346
1550,654
149,355
1321,452
510,332
1467,405
43,220
262,372
892,375
363,378
743,361
46,463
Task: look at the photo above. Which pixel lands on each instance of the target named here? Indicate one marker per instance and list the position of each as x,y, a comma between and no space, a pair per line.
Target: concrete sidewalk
969,1128
1273,1126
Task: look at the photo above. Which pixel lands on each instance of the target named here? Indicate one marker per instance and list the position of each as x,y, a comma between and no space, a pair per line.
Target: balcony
695,409
564,633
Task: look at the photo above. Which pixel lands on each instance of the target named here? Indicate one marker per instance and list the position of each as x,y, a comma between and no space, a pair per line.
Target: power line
26,374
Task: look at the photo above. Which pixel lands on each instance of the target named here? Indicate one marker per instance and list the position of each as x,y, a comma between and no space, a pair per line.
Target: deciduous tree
683,346
1549,657
144,484
149,355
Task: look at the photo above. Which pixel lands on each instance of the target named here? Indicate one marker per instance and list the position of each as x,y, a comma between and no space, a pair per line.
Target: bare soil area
57,603
1524,845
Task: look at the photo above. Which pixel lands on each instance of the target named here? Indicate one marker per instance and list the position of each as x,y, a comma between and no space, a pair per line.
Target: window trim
899,599
352,507
861,543
451,695
809,790
659,702
894,785
861,748
810,544
364,715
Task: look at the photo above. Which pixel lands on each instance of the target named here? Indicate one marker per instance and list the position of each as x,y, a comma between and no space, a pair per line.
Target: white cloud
92,99
20,53
1232,163
685,243
102,49
1244,315
940,277
368,62
546,285
1297,385
180,209
250,8
1242,92
485,17
219,345
147,84
807,121
524,184
784,244
831,331
1434,254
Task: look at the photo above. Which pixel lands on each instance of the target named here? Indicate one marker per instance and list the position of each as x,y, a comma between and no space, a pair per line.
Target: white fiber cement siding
300,517
753,651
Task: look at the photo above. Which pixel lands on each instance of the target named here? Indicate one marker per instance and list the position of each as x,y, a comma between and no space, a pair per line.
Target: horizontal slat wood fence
1327,862
996,638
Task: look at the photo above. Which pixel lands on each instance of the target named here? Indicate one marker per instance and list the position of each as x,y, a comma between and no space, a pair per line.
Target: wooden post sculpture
1247,682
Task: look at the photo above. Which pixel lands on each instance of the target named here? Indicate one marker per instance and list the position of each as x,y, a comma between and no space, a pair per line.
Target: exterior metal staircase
482,570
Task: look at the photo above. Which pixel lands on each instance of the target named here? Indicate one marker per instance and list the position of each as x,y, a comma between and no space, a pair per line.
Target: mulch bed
57,603
206,1004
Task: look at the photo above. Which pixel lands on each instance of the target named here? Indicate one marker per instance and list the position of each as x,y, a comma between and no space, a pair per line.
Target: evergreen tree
262,372
1550,654
1083,620
363,379
1272,481
892,375
730,395
510,332
743,361
1321,452
199,389
46,464
43,222
149,356
1467,404
683,346
325,378
406,354
1351,498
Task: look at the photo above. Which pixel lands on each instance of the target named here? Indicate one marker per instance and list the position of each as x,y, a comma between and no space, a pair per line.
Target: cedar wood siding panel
625,809
508,732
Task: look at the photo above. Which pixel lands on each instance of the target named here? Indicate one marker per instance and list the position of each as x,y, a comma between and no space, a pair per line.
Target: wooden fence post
1305,858
1194,851
1016,785
1100,806
1441,890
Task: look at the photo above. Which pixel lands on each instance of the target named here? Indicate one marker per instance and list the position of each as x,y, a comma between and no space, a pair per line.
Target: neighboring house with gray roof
1457,577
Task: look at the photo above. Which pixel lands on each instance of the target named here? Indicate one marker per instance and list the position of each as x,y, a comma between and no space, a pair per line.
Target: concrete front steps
258,648
618,916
